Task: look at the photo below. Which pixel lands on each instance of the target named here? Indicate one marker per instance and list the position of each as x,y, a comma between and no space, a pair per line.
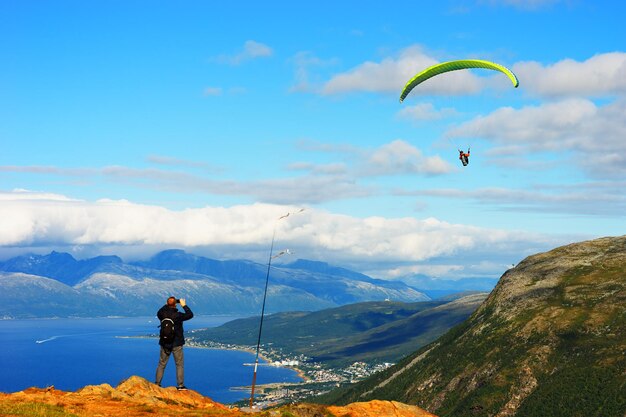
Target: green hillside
549,341
372,331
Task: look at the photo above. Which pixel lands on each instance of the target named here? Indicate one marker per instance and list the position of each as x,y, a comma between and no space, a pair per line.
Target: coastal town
316,377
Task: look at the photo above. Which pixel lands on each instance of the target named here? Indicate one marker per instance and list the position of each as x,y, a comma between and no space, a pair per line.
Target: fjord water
72,353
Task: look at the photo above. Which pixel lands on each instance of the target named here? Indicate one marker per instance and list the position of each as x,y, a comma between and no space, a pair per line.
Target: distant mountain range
440,287
58,285
550,340
375,331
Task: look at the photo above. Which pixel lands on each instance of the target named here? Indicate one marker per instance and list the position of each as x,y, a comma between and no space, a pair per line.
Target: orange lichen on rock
134,397
137,397
377,408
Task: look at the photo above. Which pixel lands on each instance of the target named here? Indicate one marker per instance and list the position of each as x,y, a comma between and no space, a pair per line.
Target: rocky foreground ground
136,397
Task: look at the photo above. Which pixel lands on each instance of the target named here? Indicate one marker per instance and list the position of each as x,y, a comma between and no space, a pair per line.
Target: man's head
171,302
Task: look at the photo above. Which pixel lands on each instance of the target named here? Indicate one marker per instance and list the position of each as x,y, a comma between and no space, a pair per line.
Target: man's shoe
182,388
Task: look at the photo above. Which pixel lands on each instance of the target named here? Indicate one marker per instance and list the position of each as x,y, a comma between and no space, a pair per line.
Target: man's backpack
167,331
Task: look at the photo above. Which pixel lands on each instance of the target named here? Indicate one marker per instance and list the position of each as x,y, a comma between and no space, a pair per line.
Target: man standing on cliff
172,339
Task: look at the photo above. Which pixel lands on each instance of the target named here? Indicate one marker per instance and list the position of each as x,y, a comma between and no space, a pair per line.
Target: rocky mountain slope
550,340
136,397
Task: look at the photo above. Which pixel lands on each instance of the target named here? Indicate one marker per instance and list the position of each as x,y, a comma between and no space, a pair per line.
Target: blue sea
72,353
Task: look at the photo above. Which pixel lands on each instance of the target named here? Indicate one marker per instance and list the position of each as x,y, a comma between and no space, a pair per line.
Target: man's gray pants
178,359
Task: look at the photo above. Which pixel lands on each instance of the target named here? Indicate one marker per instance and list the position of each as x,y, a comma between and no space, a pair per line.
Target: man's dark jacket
178,317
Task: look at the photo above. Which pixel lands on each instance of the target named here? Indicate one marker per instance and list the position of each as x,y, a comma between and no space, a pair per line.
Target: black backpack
167,331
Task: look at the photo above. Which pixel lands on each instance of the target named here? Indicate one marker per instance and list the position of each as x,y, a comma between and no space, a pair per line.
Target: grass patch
34,410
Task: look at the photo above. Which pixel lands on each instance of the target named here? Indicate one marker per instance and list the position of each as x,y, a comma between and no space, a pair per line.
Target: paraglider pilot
464,157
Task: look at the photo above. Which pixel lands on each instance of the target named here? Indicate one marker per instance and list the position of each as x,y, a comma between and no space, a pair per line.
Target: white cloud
391,74
523,4
321,184
544,127
425,269
305,80
317,183
594,134
22,194
591,199
48,170
310,145
400,157
257,49
397,157
219,91
213,91
307,189
245,229
600,75
425,111
323,169
178,162
251,50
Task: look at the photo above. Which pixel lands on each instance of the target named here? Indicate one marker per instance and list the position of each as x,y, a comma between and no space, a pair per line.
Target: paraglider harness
464,157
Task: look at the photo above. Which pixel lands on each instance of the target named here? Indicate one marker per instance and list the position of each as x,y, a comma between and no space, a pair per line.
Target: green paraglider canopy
453,66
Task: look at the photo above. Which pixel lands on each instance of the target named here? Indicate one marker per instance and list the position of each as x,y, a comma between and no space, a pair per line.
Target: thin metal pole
267,279
258,343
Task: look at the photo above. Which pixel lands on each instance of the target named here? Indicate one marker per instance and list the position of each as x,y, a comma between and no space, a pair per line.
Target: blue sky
129,127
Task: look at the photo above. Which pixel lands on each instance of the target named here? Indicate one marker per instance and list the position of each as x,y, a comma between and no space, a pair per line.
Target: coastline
264,357
301,373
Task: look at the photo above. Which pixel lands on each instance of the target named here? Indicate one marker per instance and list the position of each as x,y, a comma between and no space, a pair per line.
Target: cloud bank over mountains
382,246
